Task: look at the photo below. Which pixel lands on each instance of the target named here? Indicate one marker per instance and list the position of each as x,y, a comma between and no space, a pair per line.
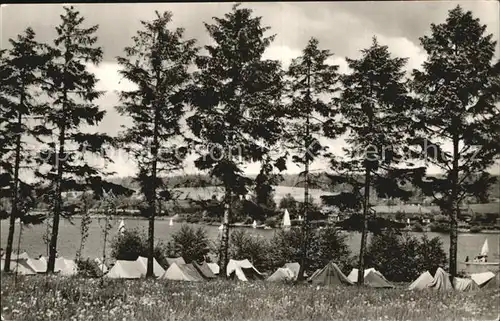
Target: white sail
286,219
221,227
254,225
485,249
171,222
300,218
121,227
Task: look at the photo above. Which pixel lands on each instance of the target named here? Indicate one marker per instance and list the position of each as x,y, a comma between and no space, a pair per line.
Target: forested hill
320,181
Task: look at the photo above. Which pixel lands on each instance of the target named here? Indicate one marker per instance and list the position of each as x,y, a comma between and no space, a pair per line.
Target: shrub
272,222
88,268
475,229
418,227
431,254
134,243
190,243
439,227
255,248
328,244
402,258
325,245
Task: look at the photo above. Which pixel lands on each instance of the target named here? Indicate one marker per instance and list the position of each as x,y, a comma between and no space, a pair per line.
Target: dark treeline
252,110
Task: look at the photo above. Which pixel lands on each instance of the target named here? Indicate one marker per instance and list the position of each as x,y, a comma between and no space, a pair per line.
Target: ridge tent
243,270
463,284
353,276
204,270
178,260
182,272
482,278
65,267
126,270
493,283
294,267
39,265
101,266
157,269
214,267
422,281
330,275
282,275
375,279
441,281
21,266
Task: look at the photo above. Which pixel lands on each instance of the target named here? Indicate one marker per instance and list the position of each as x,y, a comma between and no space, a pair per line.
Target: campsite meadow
59,298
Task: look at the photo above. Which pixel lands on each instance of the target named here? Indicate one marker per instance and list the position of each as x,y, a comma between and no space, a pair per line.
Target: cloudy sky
343,28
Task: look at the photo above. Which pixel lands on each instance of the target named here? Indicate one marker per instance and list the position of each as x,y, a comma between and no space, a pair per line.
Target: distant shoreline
236,225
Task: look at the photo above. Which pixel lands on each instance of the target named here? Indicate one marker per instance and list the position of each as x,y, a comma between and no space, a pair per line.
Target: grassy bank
58,298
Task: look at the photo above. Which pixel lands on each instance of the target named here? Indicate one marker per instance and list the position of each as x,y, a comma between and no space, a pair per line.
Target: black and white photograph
250,161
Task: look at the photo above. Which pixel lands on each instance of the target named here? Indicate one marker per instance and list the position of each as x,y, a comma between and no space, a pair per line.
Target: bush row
400,257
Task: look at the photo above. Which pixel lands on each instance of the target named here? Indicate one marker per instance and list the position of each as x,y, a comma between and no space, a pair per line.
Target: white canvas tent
126,270
182,272
157,269
20,266
482,278
101,266
282,275
422,281
214,267
242,270
65,266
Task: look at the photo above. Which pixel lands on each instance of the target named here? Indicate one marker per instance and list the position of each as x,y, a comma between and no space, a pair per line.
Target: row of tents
441,281
243,270
23,264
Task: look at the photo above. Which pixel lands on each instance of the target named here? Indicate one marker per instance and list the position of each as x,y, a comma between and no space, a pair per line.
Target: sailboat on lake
480,262
286,220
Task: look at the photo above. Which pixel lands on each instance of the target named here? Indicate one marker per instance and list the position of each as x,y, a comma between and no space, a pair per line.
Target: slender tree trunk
453,210
58,195
305,222
153,207
224,250
364,229
14,210
18,250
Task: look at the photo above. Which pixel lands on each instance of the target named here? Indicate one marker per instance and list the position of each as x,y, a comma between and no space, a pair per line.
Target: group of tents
243,270
441,281
23,264
177,270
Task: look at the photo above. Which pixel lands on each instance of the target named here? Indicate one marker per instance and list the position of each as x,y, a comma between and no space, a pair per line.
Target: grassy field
58,298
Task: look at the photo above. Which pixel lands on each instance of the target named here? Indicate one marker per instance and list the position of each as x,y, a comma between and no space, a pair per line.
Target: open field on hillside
279,191
58,299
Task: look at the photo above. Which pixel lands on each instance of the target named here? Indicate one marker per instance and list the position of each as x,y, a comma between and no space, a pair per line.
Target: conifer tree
458,92
71,91
372,105
157,63
311,82
235,100
20,76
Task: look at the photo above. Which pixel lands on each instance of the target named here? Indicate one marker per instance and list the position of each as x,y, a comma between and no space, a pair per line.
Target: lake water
69,238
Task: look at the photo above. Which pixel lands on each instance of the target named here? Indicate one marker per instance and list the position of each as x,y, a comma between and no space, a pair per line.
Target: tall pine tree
458,90
311,82
373,105
20,76
157,63
235,99
71,93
